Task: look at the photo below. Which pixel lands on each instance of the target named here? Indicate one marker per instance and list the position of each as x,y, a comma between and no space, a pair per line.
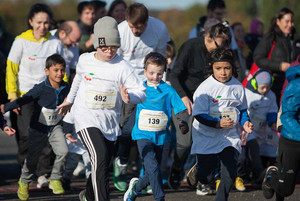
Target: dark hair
213,4
114,4
85,4
235,24
65,27
221,54
55,59
279,16
220,30
171,50
156,59
137,14
37,8
99,4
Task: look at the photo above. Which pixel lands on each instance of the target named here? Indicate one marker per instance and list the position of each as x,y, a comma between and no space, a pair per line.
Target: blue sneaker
130,194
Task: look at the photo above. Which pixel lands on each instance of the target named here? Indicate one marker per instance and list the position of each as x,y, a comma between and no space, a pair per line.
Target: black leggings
100,150
288,160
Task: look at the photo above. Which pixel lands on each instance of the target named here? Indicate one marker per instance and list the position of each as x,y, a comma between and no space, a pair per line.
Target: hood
292,73
28,35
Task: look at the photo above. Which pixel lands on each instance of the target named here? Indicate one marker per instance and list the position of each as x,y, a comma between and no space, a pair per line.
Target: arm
134,89
208,120
162,44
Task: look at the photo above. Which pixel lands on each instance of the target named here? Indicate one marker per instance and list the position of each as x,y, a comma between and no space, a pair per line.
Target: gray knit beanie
106,33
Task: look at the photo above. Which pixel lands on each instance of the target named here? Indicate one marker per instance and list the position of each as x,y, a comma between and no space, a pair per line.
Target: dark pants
207,165
100,150
288,165
151,155
249,160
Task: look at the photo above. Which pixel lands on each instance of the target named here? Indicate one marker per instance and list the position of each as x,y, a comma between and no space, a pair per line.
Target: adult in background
186,75
69,35
25,67
117,10
140,34
100,10
286,49
87,16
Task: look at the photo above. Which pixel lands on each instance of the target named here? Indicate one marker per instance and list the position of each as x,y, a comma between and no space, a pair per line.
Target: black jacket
189,68
43,95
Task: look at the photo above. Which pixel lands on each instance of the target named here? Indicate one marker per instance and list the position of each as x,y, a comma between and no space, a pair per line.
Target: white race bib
259,123
150,120
100,94
223,112
49,117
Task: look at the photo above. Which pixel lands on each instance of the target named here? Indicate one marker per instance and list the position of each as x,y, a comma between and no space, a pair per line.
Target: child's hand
9,131
69,137
2,109
124,94
184,128
65,107
226,122
273,127
248,127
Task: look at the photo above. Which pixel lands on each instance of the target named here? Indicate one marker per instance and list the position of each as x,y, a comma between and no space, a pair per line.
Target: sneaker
56,187
79,170
217,184
130,194
82,195
42,182
191,176
147,190
239,184
23,193
268,192
174,179
203,189
120,175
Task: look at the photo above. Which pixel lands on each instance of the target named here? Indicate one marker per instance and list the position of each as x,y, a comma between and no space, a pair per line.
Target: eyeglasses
216,43
111,48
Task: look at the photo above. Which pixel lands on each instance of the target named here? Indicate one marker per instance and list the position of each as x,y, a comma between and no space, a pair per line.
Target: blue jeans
151,155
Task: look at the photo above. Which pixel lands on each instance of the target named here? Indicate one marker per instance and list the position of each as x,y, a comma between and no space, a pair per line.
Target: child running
103,79
219,105
151,129
45,124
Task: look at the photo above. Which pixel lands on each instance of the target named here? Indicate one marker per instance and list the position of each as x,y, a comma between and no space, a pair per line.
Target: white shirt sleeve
201,102
162,44
75,86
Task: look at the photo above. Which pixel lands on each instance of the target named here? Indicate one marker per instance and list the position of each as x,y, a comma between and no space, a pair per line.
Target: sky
160,4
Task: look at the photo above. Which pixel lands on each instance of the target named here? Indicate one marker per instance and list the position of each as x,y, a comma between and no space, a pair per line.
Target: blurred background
180,16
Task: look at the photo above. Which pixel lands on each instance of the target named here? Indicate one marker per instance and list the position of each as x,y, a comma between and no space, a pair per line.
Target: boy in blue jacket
151,129
282,178
45,124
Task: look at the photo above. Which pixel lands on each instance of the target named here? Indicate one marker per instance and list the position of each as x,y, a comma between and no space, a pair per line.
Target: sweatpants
37,141
151,155
288,163
100,151
206,170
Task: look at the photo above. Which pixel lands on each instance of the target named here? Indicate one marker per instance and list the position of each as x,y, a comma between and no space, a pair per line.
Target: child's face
263,88
106,53
154,73
55,73
222,71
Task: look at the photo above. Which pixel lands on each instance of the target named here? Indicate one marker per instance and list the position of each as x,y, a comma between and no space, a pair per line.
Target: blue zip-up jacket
290,116
43,95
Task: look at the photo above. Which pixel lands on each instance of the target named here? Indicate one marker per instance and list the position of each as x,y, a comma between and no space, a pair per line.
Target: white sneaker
42,182
79,169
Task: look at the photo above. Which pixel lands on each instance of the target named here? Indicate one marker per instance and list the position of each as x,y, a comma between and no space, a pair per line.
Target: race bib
49,117
101,99
150,120
223,112
259,123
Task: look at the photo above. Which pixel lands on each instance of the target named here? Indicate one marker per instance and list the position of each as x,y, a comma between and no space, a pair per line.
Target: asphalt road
9,174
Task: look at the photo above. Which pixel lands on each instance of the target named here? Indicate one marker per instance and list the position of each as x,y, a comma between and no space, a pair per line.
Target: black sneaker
268,191
174,179
66,183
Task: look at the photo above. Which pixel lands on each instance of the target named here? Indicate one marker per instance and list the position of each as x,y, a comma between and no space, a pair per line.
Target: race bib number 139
150,120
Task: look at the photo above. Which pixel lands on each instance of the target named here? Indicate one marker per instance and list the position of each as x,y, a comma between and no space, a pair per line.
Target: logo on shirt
88,78
101,42
217,99
33,57
254,107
